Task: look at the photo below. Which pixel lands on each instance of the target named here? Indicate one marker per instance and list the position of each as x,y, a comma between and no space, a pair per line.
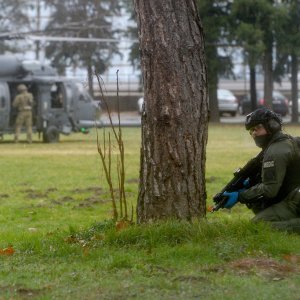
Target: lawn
58,241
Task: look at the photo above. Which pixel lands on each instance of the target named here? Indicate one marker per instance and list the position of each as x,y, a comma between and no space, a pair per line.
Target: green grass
55,212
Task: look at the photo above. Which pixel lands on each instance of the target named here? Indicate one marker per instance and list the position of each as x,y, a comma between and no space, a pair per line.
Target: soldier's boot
292,225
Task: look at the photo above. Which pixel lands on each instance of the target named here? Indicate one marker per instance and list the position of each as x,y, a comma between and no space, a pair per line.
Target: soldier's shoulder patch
268,164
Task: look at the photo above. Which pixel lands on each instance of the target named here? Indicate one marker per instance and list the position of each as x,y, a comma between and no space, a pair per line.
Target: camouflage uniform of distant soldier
23,102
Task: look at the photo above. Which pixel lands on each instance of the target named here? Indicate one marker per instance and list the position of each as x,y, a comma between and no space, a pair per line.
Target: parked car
279,102
140,104
290,104
227,102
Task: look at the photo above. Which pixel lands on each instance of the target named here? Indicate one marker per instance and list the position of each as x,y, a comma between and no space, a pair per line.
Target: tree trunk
253,95
294,82
214,114
175,117
212,73
268,75
90,79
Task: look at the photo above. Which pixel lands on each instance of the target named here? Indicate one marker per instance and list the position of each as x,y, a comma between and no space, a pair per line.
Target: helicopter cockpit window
57,96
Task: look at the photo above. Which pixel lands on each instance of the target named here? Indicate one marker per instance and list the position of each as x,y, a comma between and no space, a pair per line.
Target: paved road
241,119
133,119
128,119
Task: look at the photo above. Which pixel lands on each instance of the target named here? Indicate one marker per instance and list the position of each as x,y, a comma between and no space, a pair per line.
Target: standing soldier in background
23,102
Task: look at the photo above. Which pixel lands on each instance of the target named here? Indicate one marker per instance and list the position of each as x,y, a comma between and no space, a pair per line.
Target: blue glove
246,185
233,198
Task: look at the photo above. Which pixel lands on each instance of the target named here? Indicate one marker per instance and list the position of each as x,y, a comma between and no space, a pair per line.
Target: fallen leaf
294,259
71,239
7,251
122,224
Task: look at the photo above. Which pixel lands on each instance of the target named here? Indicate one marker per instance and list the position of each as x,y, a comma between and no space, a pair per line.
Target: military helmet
271,121
22,87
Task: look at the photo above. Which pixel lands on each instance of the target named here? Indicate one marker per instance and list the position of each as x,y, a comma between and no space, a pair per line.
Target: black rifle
251,170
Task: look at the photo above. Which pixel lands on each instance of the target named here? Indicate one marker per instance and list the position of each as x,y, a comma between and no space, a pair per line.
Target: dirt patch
56,202
66,199
28,292
90,201
94,189
50,190
265,267
34,194
191,278
94,199
23,293
292,258
4,196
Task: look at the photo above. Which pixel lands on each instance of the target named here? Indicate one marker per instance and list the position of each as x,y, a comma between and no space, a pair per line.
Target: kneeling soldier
276,198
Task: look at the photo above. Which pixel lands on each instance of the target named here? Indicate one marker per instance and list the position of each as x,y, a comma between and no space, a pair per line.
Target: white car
227,102
140,104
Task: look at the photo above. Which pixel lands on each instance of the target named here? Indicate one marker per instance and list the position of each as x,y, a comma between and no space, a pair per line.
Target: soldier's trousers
24,118
284,215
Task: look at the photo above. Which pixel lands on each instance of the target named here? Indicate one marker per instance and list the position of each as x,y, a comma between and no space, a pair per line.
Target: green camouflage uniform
24,102
277,198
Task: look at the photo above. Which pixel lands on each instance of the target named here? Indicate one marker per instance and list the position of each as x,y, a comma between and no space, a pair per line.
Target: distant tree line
12,19
260,28
69,18
267,31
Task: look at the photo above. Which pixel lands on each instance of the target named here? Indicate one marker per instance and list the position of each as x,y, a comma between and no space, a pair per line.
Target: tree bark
214,113
294,83
268,74
90,79
212,76
175,116
253,95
